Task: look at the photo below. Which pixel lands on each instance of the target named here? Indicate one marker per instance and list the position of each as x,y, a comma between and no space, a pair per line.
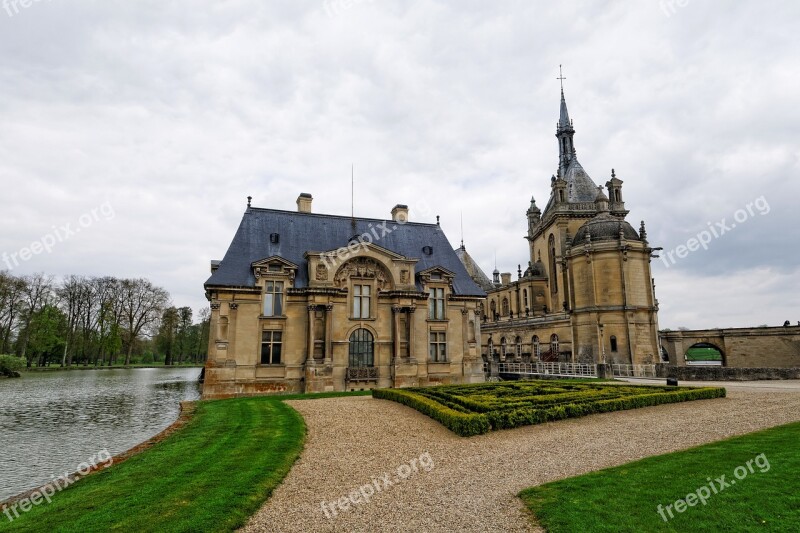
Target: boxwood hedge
474,409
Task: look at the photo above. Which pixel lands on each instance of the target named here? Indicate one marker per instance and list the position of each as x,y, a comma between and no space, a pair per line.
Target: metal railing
633,371
362,373
583,370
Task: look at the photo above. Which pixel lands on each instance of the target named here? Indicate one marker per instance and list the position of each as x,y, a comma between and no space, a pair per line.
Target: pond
51,422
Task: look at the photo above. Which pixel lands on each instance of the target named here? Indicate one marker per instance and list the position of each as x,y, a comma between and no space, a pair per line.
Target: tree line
87,320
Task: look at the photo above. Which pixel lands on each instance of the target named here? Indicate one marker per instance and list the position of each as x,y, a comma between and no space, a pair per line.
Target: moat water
51,422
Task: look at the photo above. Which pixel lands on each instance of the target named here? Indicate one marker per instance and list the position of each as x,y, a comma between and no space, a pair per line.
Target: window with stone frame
273,298
537,348
271,347
438,346
436,303
362,301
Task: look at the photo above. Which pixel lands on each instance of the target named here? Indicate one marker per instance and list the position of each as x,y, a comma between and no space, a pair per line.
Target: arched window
503,347
613,343
554,344
505,307
480,310
490,349
518,347
553,276
361,348
493,308
537,349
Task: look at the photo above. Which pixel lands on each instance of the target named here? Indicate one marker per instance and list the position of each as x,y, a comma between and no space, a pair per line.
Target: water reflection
50,422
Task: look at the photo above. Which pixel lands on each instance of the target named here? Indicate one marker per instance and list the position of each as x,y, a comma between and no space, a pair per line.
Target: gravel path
472,483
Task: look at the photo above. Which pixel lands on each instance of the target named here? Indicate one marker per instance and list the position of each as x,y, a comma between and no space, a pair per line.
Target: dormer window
362,299
273,298
274,238
436,304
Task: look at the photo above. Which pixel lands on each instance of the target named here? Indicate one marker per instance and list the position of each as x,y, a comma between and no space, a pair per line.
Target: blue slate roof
311,232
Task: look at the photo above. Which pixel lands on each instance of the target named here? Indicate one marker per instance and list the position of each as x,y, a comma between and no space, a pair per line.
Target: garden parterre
478,408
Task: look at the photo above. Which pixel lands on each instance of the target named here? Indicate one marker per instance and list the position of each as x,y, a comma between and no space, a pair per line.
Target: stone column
396,332
213,331
328,333
310,343
411,332
233,306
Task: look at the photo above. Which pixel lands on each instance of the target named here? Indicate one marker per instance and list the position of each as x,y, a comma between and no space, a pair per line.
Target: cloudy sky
146,124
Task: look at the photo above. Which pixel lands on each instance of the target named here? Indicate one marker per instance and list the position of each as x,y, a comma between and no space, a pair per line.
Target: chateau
587,294
305,302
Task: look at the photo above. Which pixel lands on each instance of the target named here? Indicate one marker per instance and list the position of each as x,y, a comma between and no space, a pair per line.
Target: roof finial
462,229
613,174
249,199
437,220
561,78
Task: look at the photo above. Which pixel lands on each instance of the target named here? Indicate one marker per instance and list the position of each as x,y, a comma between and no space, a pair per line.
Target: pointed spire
563,120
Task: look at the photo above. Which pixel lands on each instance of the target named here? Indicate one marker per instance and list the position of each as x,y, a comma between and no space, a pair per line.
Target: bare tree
12,290
38,293
142,304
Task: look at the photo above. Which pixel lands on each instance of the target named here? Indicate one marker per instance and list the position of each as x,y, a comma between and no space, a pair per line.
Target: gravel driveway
469,484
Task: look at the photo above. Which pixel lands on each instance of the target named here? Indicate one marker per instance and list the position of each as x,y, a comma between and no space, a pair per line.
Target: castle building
587,293
305,302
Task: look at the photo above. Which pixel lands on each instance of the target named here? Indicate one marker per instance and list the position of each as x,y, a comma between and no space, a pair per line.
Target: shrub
474,409
10,365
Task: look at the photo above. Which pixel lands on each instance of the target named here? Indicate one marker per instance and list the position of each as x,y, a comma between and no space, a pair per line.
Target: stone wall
719,373
774,347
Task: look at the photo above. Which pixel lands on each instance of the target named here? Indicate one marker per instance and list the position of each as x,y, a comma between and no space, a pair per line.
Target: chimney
304,203
506,277
400,213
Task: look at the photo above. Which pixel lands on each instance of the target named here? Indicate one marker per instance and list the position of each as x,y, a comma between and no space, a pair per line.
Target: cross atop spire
561,78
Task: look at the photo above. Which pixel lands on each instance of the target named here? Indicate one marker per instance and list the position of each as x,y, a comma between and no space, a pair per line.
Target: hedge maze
478,408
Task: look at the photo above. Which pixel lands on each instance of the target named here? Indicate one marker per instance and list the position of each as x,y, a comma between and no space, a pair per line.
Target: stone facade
759,348
587,293
299,305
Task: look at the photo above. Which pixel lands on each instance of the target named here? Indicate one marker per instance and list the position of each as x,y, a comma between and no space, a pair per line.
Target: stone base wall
718,373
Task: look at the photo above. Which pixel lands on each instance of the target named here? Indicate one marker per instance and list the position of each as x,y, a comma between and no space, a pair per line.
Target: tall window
271,343
362,294
361,348
493,308
554,344
553,277
525,298
518,347
438,346
273,298
436,304
613,343
537,348
505,307
503,347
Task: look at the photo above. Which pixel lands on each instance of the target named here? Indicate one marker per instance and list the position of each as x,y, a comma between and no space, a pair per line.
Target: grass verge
210,475
763,495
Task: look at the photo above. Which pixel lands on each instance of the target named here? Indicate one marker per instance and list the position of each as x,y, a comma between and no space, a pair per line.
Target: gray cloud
175,112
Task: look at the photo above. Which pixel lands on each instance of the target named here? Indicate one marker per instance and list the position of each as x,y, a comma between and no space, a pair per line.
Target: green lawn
626,498
210,475
703,354
474,409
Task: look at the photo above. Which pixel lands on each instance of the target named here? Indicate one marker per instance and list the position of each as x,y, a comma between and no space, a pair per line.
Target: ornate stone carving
322,272
214,306
404,276
233,306
365,268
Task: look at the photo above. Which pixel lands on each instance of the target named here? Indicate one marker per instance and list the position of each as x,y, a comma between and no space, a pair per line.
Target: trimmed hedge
463,424
515,406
